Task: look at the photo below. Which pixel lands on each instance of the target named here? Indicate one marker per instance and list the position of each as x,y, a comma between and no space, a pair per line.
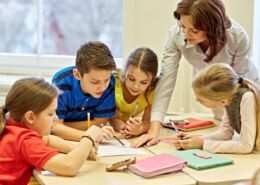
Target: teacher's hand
149,139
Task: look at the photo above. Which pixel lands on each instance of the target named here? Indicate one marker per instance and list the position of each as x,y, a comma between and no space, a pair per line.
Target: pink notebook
156,165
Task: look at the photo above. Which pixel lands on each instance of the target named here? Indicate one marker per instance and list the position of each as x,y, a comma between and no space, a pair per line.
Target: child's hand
177,144
108,132
122,129
191,142
123,132
133,127
95,133
93,154
183,136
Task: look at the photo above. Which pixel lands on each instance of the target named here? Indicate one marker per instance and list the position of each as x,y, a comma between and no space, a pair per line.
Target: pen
175,127
134,111
88,119
119,140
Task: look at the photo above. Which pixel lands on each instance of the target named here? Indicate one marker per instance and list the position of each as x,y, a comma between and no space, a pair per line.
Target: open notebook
113,147
200,163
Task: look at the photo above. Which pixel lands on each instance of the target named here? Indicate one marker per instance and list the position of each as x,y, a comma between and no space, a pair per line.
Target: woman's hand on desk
151,138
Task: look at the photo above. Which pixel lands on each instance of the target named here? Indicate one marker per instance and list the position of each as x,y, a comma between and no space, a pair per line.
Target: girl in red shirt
25,118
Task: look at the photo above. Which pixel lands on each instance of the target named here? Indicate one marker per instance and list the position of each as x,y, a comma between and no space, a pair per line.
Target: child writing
134,92
88,89
216,85
26,117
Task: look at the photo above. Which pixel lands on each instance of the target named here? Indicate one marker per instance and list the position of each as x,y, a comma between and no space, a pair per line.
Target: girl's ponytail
3,111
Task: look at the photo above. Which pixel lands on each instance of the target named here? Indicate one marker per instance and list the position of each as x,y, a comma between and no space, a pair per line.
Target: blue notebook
199,159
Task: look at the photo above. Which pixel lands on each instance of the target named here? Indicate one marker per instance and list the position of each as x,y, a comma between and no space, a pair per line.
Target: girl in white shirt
204,35
216,85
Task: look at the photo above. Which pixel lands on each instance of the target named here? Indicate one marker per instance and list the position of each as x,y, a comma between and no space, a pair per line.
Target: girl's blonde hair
219,81
27,94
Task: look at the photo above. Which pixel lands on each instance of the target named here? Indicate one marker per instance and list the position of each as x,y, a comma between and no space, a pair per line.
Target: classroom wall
146,23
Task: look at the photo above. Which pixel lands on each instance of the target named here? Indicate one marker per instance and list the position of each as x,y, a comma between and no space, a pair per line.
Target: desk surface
243,168
94,173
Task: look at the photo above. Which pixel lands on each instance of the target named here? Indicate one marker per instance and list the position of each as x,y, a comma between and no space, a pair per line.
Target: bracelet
90,138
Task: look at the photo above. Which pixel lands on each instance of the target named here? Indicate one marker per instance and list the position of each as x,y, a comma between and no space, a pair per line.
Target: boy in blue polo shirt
88,87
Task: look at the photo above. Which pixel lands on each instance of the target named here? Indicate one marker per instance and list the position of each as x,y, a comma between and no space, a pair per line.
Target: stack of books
189,124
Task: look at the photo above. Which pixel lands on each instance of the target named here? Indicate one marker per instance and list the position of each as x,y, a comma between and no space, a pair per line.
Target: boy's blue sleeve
62,108
107,107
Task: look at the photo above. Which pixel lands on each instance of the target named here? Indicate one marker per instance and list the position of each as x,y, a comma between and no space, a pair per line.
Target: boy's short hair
96,55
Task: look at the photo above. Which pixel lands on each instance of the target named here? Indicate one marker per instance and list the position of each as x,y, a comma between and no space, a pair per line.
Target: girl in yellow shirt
134,91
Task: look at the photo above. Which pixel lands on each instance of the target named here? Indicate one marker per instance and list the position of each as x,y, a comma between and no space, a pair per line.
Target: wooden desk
165,147
94,173
243,168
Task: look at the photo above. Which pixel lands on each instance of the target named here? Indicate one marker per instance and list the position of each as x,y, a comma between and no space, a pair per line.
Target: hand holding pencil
108,133
133,126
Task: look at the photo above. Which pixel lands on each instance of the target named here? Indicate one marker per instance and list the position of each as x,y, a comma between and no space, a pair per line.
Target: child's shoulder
63,74
117,73
247,96
20,131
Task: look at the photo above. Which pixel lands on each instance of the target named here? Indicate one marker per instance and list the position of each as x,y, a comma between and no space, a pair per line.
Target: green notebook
200,163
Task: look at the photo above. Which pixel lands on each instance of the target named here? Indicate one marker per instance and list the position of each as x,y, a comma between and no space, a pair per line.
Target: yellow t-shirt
126,109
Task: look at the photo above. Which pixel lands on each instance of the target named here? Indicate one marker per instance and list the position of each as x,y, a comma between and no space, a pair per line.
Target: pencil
88,120
116,138
119,141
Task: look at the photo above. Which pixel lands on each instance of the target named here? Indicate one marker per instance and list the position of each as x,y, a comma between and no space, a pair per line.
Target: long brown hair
26,94
209,16
219,81
145,59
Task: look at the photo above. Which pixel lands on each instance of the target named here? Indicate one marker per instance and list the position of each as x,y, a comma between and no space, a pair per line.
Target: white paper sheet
47,173
113,147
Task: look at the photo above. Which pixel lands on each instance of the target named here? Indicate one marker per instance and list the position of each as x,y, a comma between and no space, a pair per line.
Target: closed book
191,124
200,159
157,165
